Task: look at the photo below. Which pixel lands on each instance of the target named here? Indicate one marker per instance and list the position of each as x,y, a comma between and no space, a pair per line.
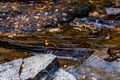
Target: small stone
107,37
56,10
55,19
46,13
54,30
46,42
64,14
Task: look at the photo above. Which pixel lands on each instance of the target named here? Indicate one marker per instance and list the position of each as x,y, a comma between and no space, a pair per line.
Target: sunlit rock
63,75
39,66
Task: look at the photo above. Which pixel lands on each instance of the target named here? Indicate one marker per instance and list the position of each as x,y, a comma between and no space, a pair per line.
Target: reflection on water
71,46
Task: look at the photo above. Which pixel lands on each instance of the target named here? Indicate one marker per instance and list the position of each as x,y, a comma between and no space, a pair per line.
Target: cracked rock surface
29,68
38,67
10,70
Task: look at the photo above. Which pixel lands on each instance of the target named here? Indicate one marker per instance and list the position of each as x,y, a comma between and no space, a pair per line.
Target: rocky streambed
65,30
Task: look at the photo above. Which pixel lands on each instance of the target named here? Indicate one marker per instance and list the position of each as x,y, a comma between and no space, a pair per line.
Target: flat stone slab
38,67
36,64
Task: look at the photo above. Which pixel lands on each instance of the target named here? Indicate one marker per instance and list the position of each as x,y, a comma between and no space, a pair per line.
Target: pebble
107,37
55,30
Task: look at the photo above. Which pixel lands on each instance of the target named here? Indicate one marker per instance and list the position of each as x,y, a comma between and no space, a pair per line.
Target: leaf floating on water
41,9
93,78
65,66
14,7
36,17
46,42
59,25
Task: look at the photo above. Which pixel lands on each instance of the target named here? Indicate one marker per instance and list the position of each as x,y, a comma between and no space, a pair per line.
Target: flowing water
71,46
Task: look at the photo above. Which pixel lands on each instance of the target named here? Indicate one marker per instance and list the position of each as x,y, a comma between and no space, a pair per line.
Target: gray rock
97,61
95,66
94,61
63,75
116,66
10,70
39,66
112,11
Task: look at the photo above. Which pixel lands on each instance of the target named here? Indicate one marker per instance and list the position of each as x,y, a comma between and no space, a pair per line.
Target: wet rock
10,70
39,66
63,75
90,72
98,22
96,67
103,54
112,11
55,30
97,61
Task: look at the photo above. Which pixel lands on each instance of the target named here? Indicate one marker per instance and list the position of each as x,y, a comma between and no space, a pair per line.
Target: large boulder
96,67
39,66
36,67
